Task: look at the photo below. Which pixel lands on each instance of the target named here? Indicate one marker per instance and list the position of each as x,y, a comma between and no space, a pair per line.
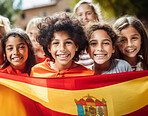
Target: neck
101,68
59,67
20,68
132,61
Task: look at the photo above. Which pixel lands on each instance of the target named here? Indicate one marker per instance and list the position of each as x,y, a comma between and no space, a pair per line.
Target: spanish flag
121,94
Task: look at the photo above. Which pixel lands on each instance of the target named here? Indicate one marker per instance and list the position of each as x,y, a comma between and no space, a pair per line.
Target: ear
77,47
48,47
87,49
113,49
96,17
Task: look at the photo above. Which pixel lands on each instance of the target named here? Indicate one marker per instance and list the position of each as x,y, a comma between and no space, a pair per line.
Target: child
63,39
133,42
19,55
19,58
32,32
101,40
86,12
4,28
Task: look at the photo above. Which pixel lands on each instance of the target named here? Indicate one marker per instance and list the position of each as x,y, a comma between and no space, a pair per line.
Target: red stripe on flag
78,83
48,112
141,112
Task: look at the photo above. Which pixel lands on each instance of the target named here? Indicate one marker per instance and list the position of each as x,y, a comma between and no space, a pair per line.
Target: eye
89,13
21,47
9,48
55,43
106,43
93,43
134,38
122,40
69,42
79,14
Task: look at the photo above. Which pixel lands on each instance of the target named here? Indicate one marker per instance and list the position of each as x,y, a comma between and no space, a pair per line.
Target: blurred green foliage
7,10
117,8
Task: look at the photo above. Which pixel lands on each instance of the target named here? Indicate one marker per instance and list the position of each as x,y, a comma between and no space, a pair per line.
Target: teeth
130,51
100,55
16,59
62,55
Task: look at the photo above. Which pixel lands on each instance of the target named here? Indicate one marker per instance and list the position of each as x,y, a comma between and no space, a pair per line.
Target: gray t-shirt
118,66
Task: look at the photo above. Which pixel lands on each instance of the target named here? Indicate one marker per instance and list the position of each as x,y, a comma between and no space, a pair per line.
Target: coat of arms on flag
90,106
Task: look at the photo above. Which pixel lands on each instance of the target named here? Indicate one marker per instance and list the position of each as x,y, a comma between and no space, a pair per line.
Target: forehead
100,34
61,35
84,8
15,40
129,30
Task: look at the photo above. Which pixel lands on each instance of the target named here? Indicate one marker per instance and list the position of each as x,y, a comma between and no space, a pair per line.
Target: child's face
100,47
85,14
62,48
32,33
16,52
130,42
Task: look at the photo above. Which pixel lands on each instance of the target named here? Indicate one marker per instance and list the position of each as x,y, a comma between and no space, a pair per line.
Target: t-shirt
85,60
44,70
118,66
11,70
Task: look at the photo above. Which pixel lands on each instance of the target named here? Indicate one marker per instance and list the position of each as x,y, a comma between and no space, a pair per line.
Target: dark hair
126,21
61,22
91,27
31,61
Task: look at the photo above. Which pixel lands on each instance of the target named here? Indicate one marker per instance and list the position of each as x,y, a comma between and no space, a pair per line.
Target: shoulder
6,69
83,69
121,64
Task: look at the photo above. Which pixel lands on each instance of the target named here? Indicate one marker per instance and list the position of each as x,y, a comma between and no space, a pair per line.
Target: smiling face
16,52
62,49
130,42
32,33
100,47
85,14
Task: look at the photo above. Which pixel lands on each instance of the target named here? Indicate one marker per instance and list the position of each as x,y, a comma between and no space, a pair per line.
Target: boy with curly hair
63,40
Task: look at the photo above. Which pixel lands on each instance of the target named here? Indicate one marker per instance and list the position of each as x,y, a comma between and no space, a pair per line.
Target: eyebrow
58,39
18,44
103,40
136,35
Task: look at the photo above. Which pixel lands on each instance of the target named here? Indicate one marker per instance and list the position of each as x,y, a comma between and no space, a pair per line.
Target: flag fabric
121,94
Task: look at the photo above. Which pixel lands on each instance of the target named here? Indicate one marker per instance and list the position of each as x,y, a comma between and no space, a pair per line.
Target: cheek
121,47
91,50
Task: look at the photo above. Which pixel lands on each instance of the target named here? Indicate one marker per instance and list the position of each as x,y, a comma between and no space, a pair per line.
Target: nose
62,47
129,43
99,47
15,51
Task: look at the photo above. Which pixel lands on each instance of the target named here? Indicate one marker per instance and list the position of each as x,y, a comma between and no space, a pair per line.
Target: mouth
130,50
63,56
100,56
16,59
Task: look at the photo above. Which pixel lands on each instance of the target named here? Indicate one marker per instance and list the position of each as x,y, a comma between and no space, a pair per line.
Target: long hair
31,57
126,21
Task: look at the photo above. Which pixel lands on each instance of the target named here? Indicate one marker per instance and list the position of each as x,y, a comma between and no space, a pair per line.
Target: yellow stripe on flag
121,99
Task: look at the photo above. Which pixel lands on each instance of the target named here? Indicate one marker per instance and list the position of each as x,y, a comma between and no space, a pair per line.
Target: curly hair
91,27
31,61
133,21
62,22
